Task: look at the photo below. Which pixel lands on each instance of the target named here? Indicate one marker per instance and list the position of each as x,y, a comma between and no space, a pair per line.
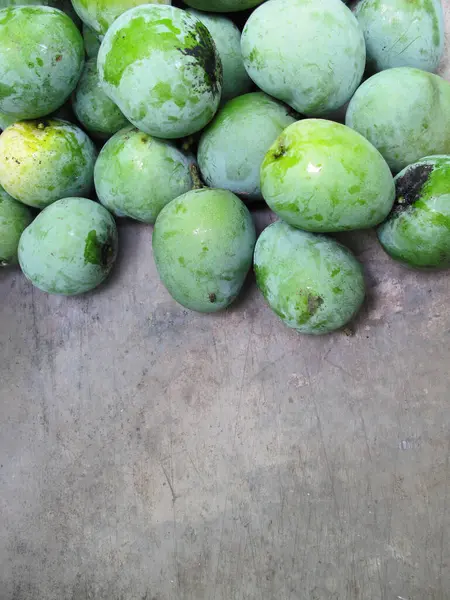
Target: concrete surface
150,453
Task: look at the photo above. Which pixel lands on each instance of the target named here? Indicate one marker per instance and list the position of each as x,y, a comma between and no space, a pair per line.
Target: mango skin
137,175
14,218
38,79
223,6
92,41
46,160
99,15
161,67
313,283
324,177
401,33
70,247
410,125
233,146
306,53
227,38
203,245
417,232
93,108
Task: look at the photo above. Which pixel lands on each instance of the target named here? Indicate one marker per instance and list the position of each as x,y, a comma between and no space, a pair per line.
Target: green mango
92,41
403,112
44,161
402,33
203,245
161,67
313,283
417,232
137,175
223,5
322,176
14,218
227,38
70,247
38,76
93,108
99,15
233,146
306,53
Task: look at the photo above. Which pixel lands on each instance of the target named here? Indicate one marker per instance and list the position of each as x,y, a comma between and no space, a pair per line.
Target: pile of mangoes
187,116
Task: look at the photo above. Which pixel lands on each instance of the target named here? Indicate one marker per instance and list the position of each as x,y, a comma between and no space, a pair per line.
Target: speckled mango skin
223,5
93,108
233,146
313,283
203,245
14,218
161,67
92,41
70,247
46,160
307,53
37,80
404,113
324,177
64,5
99,15
227,38
137,175
417,232
402,33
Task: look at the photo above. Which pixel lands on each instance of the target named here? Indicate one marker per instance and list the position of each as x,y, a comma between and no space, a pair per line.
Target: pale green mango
307,53
402,33
137,175
404,113
313,283
233,146
70,247
93,108
38,79
203,245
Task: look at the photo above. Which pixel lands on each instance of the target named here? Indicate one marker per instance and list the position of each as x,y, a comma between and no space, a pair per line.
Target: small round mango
203,246
313,283
70,247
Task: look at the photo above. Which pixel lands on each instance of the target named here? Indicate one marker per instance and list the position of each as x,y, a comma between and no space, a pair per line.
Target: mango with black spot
313,283
203,246
70,247
417,232
161,67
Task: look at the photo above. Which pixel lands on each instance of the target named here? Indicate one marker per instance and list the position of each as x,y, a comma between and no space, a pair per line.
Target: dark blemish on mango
409,186
205,56
314,303
212,298
280,150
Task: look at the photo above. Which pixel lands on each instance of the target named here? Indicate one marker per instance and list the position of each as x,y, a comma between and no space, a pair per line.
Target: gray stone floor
150,453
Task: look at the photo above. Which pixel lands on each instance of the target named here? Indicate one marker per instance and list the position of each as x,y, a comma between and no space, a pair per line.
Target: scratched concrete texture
150,453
